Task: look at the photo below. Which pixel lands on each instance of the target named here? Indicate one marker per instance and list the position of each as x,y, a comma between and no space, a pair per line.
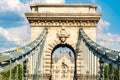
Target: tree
107,73
6,75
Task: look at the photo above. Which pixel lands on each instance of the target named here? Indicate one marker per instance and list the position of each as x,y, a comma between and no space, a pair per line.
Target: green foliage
6,75
107,72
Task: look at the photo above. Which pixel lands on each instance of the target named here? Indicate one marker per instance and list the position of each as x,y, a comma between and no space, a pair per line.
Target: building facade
63,68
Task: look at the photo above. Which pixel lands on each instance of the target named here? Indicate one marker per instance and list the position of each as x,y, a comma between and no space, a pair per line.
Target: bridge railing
11,59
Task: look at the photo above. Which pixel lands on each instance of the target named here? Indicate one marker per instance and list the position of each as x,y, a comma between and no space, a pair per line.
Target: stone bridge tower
63,22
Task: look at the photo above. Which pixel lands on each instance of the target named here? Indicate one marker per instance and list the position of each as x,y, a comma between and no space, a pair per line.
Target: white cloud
11,38
22,32
102,25
93,1
55,1
48,1
14,6
15,34
108,40
10,5
4,33
99,8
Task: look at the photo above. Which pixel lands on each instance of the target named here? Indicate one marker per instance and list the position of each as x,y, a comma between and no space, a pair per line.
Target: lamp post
111,72
87,74
111,76
101,69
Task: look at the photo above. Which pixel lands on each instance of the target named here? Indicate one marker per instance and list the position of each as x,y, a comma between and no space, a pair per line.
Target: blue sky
110,12
14,26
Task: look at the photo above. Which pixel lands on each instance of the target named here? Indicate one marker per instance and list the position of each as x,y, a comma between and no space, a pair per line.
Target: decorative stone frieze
64,23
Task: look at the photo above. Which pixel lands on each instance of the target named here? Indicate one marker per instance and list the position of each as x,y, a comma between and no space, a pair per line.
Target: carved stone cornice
61,14
75,23
64,19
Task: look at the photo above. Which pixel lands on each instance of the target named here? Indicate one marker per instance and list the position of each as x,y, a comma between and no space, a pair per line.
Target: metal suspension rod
111,72
10,69
91,64
42,60
103,71
119,71
35,62
87,72
34,72
0,73
25,69
32,68
0,76
89,61
37,65
96,66
17,72
42,70
16,75
35,56
39,56
22,69
32,63
93,67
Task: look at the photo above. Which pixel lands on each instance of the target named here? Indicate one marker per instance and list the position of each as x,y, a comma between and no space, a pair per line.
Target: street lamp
101,69
87,74
111,76
111,72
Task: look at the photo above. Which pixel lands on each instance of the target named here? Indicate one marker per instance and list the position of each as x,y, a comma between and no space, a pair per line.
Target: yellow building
63,68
